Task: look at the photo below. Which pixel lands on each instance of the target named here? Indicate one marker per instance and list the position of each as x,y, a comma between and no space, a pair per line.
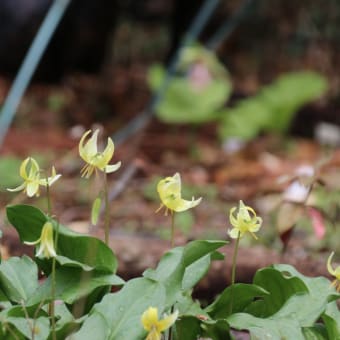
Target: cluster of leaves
280,303
198,90
273,108
202,87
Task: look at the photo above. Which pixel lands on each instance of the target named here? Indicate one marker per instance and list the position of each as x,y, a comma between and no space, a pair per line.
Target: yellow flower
244,222
335,273
169,190
94,159
45,241
30,172
154,326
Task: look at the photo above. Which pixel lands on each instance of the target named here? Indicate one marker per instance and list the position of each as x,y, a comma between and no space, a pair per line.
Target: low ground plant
70,289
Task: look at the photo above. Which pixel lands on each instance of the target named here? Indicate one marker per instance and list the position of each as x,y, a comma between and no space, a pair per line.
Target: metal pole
30,64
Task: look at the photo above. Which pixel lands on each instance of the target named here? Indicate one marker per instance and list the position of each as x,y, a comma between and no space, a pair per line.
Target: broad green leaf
187,328
9,172
195,272
331,318
315,333
18,278
81,250
243,295
184,104
297,301
73,284
280,288
320,294
273,108
269,328
65,321
171,270
188,307
216,330
42,327
199,88
20,321
118,315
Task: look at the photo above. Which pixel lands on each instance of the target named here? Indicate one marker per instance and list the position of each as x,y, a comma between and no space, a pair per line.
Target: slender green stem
53,287
172,229
233,272
27,317
48,196
107,211
52,305
172,245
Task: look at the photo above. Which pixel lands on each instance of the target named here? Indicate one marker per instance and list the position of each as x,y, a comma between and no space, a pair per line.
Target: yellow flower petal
234,233
245,221
150,318
94,159
168,321
18,188
46,243
153,335
169,190
22,171
112,167
32,189
106,155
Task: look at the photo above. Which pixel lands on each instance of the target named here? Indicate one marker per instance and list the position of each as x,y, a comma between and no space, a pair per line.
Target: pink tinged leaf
318,222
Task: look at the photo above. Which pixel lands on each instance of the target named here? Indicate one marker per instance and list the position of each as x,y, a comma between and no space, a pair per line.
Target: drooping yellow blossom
154,326
169,190
244,222
96,160
335,273
30,172
45,241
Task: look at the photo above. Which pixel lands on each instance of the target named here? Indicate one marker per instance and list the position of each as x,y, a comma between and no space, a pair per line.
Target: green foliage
281,302
273,108
8,171
74,249
195,94
78,282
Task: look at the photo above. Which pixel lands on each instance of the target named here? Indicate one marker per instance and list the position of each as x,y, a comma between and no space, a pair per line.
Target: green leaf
188,307
297,303
18,278
95,210
315,333
280,288
118,315
73,284
308,307
187,328
73,249
66,323
42,327
273,108
216,329
190,99
195,272
171,270
20,322
331,318
9,172
274,329
243,295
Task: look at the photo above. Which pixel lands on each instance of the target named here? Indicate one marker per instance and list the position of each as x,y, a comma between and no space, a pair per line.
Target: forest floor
51,120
